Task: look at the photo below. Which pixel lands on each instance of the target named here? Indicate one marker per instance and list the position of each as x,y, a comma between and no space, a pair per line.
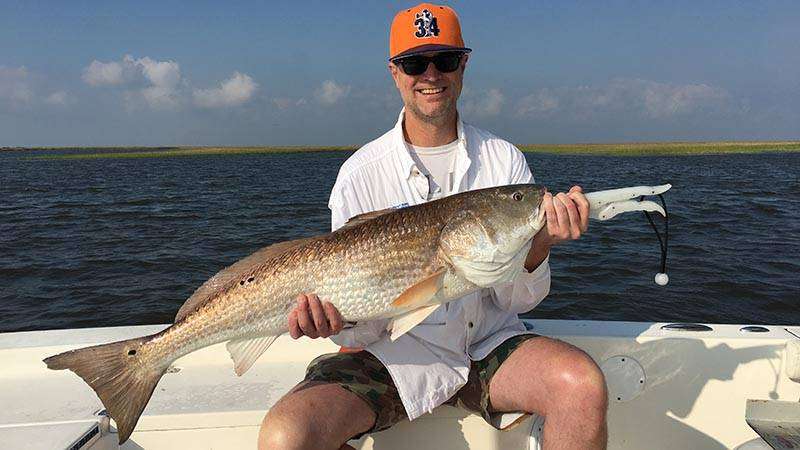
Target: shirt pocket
437,317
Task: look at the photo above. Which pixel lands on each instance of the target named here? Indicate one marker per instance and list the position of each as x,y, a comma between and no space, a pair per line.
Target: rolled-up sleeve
343,206
526,291
519,172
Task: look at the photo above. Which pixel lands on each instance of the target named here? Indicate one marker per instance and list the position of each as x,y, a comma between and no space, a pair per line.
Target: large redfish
398,264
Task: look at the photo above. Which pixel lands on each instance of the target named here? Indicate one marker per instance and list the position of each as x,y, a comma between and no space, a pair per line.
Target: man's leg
560,382
315,415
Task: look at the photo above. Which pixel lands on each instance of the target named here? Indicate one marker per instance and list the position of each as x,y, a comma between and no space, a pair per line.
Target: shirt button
470,324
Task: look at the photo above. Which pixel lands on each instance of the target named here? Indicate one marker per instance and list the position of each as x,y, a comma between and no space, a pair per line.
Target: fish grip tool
605,205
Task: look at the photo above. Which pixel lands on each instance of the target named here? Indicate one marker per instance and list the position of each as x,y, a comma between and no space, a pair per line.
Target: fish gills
483,234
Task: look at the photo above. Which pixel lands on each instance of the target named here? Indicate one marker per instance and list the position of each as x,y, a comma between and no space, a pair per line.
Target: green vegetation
187,151
663,148
625,149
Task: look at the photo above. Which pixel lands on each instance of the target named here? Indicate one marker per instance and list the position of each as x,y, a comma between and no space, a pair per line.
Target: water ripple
102,243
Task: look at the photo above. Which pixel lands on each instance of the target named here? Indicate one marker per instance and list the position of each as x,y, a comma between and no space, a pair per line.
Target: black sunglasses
445,62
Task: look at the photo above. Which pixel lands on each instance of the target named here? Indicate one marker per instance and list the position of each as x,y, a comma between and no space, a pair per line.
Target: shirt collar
407,164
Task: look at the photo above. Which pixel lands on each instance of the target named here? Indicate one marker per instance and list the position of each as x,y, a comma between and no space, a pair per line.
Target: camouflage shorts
364,375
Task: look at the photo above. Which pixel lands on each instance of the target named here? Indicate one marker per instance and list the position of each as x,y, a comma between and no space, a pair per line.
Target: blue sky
314,73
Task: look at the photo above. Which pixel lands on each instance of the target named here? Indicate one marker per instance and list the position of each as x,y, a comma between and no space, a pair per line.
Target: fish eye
517,196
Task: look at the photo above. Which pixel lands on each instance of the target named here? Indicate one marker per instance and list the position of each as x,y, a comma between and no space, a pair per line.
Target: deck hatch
686,327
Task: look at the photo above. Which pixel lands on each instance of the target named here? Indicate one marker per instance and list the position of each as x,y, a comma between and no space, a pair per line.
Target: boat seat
447,428
453,428
777,422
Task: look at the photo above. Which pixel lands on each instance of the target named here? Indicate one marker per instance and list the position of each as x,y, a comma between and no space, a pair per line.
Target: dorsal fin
235,271
361,218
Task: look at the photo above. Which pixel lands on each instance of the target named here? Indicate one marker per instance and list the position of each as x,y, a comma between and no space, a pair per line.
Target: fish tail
118,375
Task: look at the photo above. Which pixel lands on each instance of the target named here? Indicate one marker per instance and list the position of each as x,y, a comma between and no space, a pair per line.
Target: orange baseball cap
425,28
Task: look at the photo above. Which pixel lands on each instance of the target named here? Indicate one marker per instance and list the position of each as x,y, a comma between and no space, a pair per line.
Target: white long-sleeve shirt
431,362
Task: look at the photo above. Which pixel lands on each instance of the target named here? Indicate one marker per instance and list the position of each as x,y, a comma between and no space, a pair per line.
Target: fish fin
361,218
421,292
233,272
401,324
245,352
112,371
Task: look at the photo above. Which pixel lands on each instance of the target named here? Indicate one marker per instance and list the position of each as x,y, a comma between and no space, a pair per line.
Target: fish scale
388,264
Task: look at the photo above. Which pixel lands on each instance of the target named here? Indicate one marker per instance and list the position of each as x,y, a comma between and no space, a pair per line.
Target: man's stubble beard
437,119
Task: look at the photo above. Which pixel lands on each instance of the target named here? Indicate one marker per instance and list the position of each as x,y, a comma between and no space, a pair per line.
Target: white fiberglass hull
668,389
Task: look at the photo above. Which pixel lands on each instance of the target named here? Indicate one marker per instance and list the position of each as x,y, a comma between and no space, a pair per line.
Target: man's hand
567,218
314,318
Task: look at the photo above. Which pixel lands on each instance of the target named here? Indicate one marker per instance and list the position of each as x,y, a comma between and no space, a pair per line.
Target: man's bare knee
298,422
582,381
279,432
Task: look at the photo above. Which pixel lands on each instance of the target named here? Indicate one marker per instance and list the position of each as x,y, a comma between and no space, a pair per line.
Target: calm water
124,241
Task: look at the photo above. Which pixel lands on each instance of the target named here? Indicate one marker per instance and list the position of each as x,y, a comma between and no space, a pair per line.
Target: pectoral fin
401,324
420,293
245,352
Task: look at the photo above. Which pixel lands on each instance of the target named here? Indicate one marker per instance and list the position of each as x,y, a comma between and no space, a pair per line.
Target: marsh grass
664,148
186,151
623,149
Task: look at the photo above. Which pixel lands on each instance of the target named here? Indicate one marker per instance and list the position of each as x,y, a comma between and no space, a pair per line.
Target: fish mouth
538,213
538,218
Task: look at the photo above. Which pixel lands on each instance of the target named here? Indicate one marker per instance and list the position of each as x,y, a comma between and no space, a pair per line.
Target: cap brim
427,48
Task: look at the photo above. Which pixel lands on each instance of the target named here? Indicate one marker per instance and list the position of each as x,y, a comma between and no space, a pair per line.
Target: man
473,353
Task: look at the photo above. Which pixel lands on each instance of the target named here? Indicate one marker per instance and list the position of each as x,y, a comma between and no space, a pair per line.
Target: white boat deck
668,389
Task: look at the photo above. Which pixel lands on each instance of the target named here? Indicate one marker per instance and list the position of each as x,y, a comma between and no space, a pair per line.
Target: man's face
432,95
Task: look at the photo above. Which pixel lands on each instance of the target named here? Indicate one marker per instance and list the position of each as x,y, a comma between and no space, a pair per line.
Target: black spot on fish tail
123,386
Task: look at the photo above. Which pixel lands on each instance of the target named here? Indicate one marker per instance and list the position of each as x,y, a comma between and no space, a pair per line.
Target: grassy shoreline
144,152
616,149
665,148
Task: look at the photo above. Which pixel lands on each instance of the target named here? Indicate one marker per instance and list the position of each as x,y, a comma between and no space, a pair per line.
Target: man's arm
533,284
567,218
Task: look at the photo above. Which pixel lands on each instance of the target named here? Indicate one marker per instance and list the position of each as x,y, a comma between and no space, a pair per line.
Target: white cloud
642,98
330,92
59,98
162,79
165,74
234,91
488,103
540,102
662,100
99,73
16,86
159,97
285,102
160,85
20,88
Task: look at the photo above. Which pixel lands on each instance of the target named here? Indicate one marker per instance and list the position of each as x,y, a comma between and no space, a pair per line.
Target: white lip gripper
604,205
